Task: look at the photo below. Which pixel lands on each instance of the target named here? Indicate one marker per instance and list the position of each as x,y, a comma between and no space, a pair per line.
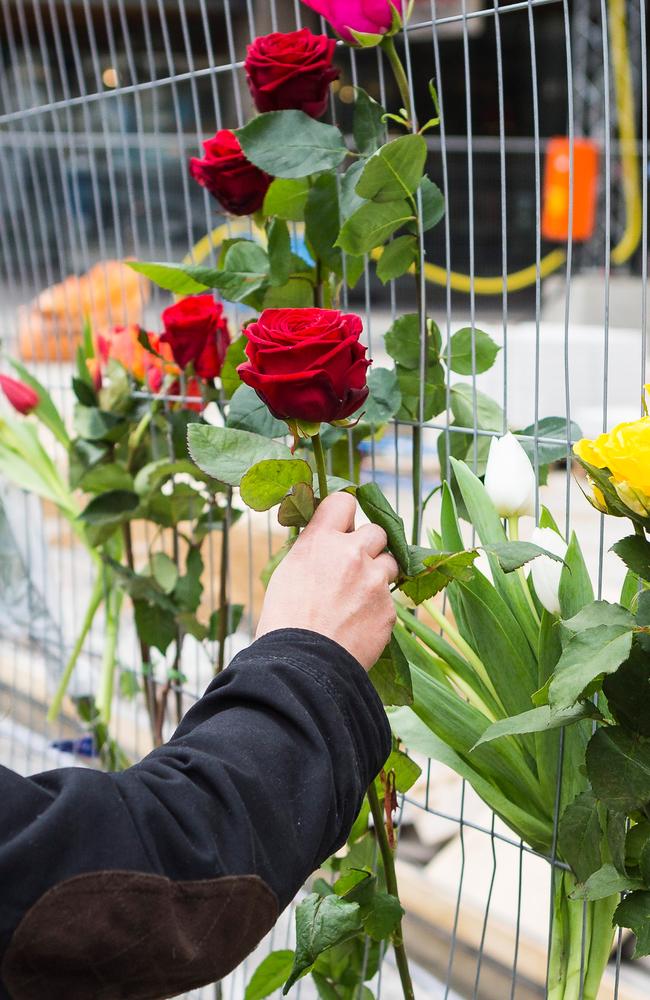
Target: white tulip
510,478
546,572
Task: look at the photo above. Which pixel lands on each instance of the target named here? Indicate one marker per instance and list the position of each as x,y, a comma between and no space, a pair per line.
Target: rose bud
372,17
94,367
21,396
196,330
226,173
546,572
291,71
510,478
306,364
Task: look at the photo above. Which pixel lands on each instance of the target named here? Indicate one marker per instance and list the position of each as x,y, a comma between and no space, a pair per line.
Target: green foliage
235,355
269,975
384,398
432,203
247,412
227,454
368,126
512,555
635,553
321,922
618,766
378,510
470,350
580,834
634,912
391,676
372,224
291,144
297,509
279,252
587,655
397,257
286,199
266,483
395,171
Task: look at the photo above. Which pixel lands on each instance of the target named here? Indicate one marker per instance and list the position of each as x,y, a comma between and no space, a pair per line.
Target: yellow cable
626,133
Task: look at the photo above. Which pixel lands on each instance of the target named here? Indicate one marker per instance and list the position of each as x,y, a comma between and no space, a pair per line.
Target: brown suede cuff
116,934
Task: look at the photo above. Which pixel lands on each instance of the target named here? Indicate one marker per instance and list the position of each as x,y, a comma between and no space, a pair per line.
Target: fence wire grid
101,104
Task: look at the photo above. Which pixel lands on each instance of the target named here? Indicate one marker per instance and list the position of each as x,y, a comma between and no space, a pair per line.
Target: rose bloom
625,451
197,333
291,71
306,364
226,173
373,17
121,343
21,396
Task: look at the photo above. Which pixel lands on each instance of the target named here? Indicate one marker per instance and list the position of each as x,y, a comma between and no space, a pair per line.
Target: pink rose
373,17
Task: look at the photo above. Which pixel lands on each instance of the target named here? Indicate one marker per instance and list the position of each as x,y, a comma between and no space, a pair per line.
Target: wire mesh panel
101,105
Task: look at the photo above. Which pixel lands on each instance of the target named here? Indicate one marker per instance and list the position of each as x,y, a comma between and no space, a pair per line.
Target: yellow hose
554,260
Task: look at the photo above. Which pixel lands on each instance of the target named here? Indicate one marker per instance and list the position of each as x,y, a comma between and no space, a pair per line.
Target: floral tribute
483,688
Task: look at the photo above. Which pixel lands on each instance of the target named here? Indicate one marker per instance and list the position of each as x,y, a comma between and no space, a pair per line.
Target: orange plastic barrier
555,212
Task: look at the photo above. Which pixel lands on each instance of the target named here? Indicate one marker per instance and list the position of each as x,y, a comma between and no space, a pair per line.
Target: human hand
335,581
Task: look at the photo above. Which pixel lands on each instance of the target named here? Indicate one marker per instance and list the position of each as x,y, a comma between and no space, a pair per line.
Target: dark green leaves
435,572
180,279
397,258
378,510
586,656
227,454
433,204
394,172
384,398
290,144
403,342
579,836
267,482
321,922
512,555
269,975
248,413
368,127
391,676
286,199
470,350
111,507
634,912
372,224
635,553
297,509
245,269
618,766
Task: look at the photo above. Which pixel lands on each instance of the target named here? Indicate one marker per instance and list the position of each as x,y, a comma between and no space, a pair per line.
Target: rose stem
223,584
397,937
388,45
319,455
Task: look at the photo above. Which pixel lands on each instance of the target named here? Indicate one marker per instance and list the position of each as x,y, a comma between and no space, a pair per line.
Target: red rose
197,333
292,70
306,364
21,396
229,176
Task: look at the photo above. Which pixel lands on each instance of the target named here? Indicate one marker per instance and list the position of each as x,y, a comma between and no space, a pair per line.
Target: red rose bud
197,333
229,176
291,71
306,364
371,17
21,396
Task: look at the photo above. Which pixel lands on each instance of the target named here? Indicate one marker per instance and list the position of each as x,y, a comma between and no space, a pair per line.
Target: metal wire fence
101,103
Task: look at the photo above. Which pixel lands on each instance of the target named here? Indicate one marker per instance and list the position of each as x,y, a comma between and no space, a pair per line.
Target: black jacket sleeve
258,785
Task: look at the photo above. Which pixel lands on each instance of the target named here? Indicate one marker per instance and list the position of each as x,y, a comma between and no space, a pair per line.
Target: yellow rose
625,452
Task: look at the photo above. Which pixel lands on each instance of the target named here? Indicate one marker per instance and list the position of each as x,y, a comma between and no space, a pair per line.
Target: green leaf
291,144
227,454
235,355
599,613
628,692
403,342
538,720
384,398
433,204
46,411
279,252
155,626
297,509
234,615
245,269
286,199
269,975
188,589
111,476
635,553
382,916
371,225
634,912
580,835
432,389
638,836
129,684
181,279
395,171
153,474
512,555
368,126
618,766
247,412
321,922
110,508
378,510
406,771
471,351
588,654
547,451
391,676
354,884
322,220
85,393
437,572
164,571
98,425
298,293
267,482
605,882
349,200
397,258
472,408
575,583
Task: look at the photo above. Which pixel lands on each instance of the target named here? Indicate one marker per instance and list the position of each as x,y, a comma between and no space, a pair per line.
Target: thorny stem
319,455
391,885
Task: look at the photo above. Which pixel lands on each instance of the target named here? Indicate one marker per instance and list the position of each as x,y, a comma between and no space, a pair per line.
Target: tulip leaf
618,767
604,882
391,675
471,351
269,975
575,589
248,413
297,509
538,720
267,482
368,125
634,912
321,923
372,224
227,454
286,199
635,553
512,555
397,258
291,144
395,171
378,510
586,656
580,835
